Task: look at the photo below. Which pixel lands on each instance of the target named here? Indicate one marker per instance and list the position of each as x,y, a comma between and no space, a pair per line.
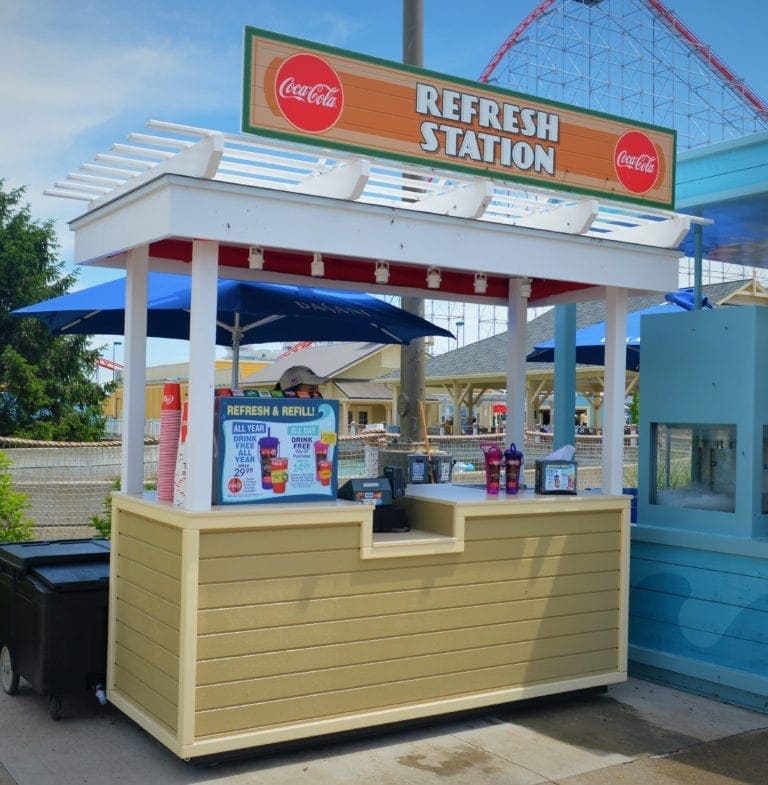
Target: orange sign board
298,90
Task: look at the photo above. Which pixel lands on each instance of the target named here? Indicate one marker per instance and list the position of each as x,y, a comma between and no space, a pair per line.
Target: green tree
15,526
634,408
46,386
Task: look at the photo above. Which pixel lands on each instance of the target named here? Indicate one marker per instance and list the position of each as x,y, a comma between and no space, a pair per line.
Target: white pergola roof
266,163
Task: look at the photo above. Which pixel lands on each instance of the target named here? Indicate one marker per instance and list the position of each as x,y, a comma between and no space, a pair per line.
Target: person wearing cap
300,382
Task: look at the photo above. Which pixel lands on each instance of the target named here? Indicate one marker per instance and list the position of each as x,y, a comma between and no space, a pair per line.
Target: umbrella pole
426,442
236,354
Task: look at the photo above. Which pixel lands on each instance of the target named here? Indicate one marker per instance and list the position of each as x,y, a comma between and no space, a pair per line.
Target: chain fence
67,483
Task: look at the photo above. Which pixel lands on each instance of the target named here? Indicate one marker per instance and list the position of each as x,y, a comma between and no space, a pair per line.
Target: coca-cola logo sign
309,93
636,162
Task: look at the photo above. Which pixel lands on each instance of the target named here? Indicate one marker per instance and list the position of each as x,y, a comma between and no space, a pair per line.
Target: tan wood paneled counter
247,626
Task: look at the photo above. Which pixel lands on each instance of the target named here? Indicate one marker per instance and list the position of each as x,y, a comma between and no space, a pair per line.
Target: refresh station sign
306,92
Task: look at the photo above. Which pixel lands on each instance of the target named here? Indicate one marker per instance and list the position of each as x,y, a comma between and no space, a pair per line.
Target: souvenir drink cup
492,453
170,427
513,460
321,455
492,475
279,474
269,447
324,472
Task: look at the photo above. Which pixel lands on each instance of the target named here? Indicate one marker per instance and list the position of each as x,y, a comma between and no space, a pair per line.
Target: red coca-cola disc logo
309,93
636,162
235,485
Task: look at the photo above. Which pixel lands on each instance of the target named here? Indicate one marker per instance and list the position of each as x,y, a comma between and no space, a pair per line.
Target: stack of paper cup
170,425
180,473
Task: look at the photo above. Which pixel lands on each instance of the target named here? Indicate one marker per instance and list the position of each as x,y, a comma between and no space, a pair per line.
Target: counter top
449,493
437,515
247,515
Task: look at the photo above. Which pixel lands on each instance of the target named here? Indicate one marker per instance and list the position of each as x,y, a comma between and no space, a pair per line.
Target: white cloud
64,90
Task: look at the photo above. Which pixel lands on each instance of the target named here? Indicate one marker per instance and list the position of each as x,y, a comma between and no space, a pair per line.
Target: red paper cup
170,425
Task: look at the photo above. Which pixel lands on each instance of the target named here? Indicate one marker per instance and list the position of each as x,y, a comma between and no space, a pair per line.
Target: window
694,466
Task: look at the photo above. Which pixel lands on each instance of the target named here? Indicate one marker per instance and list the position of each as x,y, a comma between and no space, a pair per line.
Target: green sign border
314,141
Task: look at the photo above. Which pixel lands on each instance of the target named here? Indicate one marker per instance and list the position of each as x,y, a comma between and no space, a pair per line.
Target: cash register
379,491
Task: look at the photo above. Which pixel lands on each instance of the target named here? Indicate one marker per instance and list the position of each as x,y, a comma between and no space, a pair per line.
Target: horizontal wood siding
700,605
147,614
293,625
707,606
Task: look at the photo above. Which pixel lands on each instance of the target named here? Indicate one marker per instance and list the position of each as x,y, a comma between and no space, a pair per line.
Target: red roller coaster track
514,37
110,365
701,50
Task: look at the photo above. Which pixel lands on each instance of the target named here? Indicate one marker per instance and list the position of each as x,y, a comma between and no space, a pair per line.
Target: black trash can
54,599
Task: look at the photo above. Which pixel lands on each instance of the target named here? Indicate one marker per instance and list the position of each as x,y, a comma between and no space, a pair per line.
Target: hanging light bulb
381,273
256,258
318,266
433,278
481,283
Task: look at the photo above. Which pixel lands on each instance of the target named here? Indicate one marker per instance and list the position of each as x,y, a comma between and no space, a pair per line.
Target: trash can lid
72,577
22,555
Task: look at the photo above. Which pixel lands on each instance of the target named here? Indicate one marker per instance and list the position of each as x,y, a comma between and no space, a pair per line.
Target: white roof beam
92,178
345,181
67,194
666,233
148,152
121,161
123,174
463,201
159,141
200,160
569,218
94,190
269,172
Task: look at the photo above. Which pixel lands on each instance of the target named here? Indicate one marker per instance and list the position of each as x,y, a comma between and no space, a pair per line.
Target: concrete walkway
637,733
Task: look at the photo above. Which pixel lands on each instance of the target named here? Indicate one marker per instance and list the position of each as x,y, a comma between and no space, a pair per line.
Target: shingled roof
328,360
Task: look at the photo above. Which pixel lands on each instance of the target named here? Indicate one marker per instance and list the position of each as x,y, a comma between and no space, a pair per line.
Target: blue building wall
707,367
698,619
699,578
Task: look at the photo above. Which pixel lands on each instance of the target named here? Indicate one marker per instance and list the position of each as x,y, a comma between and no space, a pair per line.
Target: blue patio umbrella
247,312
590,341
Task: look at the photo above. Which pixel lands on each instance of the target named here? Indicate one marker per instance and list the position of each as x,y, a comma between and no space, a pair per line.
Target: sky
77,76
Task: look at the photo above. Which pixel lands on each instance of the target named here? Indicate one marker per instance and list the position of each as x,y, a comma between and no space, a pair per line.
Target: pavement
636,733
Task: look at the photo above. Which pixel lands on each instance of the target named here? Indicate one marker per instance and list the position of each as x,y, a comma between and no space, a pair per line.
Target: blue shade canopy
252,312
685,298
590,341
248,312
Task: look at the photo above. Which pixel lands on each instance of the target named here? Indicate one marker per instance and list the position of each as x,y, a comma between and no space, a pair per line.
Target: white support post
202,375
517,312
134,381
615,379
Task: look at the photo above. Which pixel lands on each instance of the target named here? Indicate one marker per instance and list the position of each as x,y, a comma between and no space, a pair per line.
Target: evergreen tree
46,386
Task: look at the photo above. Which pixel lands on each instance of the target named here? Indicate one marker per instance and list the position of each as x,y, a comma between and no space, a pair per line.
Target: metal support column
565,375
412,357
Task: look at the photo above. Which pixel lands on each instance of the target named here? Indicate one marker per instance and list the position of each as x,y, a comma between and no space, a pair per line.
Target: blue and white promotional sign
275,450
